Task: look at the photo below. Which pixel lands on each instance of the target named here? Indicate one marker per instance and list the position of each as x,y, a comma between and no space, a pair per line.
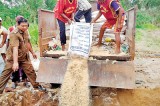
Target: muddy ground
146,92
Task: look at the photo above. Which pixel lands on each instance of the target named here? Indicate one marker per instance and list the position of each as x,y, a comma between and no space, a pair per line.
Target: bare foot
98,44
117,51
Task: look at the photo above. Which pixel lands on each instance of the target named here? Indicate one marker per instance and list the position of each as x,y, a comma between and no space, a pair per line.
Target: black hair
22,20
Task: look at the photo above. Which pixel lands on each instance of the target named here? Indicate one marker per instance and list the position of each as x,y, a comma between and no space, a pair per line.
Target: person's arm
60,10
15,58
14,42
8,40
4,39
73,14
31,50
7,43
64,16
8,37
119,17
119,11
97,17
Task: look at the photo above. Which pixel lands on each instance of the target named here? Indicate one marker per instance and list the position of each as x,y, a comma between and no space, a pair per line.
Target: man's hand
15,67
69,21
93,21
34,55
1,45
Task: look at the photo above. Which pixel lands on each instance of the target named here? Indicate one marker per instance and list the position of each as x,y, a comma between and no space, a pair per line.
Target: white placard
80,38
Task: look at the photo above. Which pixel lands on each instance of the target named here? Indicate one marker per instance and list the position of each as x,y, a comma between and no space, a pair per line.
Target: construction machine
117,72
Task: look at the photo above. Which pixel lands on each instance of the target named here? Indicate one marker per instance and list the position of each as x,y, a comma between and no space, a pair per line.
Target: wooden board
47,25
96,55
130,33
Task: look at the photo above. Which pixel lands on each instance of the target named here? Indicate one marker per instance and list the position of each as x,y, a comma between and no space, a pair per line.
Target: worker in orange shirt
114,14
64,12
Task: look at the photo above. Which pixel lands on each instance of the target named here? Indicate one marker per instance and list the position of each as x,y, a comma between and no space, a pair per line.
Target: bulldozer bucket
115,74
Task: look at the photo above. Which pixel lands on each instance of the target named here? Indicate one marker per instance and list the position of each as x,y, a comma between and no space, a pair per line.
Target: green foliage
138,35
142,19
148,12
28,9
151,3
148,19
126,4
33,30
148,26
150,38
50,4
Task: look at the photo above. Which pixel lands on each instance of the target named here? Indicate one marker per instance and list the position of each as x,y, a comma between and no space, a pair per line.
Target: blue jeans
62,32
80,13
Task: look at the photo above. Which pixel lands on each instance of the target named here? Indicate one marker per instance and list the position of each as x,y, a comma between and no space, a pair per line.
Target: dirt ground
146,92
147,81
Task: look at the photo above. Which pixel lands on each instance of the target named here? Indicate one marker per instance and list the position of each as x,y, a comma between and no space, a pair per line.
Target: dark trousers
62,32
80,13
16,75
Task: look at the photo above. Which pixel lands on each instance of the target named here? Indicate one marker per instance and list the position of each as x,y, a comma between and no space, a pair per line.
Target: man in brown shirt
18,55
16,75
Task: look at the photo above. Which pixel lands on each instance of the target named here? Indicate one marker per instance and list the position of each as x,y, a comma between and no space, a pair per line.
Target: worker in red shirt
114,14
64,12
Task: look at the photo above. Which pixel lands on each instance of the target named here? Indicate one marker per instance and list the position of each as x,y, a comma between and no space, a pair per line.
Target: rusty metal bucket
115,74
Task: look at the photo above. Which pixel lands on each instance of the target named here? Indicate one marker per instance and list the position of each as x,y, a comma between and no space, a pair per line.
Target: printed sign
80,39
